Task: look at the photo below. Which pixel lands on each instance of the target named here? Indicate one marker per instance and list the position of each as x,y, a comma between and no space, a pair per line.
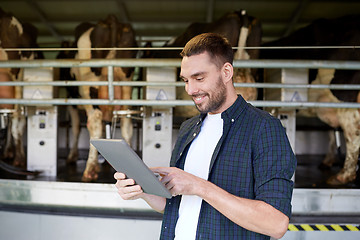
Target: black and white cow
343,31
14,34
241,30
108,33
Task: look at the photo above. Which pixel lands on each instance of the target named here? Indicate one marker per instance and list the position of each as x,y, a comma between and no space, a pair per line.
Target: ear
227,72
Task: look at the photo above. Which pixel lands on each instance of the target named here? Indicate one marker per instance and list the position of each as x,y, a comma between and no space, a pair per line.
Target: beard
216,100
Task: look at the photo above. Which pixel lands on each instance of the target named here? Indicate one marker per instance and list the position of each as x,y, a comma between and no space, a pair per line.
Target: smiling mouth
198,99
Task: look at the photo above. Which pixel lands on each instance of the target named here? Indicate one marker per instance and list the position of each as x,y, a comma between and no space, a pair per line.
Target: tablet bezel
124,159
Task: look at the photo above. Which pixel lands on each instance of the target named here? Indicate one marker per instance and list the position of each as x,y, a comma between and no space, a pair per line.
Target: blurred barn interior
158,21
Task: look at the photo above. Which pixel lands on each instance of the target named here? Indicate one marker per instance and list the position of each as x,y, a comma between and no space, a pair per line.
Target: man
231,167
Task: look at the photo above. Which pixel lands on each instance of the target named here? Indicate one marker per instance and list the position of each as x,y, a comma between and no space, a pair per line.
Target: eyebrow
193,75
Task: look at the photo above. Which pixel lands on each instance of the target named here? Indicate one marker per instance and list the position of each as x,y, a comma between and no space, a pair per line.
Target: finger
168,182
130,193
131,196
124,183
170,186
165,179
173,189
132,189
119,175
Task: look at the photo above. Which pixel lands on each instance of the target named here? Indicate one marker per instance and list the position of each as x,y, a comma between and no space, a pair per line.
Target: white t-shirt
197,162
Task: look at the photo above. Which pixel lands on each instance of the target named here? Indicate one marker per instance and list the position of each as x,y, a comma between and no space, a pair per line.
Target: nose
191,87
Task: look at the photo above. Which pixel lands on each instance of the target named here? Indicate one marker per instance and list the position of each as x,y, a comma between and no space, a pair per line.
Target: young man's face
203,82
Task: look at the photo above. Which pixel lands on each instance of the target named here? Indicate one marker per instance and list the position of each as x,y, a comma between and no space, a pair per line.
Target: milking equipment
41,123
158,120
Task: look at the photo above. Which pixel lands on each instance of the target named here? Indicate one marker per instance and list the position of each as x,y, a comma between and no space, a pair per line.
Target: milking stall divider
97,212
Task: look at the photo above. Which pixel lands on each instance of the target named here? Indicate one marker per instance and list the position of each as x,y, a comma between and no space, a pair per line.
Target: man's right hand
127,188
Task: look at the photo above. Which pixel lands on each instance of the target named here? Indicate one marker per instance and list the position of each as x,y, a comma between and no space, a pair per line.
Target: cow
343,31
241,30
108,33
14,34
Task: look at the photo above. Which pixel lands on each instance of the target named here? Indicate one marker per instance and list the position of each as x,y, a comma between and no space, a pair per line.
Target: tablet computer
123,159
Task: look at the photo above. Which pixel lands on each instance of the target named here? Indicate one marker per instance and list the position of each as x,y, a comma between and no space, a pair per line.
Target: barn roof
160,20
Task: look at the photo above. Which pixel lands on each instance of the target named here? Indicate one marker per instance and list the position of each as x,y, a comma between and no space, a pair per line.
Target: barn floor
307,175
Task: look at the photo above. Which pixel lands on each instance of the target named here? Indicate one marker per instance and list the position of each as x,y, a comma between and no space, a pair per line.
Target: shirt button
194,134
232,120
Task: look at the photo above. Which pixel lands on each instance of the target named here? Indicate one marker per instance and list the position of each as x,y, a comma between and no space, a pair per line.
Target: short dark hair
215,45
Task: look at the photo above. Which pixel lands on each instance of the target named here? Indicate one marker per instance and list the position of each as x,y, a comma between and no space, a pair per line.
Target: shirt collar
233,112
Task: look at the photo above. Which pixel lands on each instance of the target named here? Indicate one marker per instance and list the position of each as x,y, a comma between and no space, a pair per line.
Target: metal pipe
110,81
171,103
350,65
56,83
299,86
54,49
110,63
131,62
180,84
315,64
304,104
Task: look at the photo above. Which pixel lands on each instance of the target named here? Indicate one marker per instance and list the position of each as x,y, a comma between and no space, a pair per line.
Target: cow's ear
227,72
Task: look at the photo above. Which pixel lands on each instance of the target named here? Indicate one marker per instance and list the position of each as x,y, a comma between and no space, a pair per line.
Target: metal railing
111,63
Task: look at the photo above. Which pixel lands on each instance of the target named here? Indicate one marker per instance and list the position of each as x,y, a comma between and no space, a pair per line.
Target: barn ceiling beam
124,16
44,19
295,17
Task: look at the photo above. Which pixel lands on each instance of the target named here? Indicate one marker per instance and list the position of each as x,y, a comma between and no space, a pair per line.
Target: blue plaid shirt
253,159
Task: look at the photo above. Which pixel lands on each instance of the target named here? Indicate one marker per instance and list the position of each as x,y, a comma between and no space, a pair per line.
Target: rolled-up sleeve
274,166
